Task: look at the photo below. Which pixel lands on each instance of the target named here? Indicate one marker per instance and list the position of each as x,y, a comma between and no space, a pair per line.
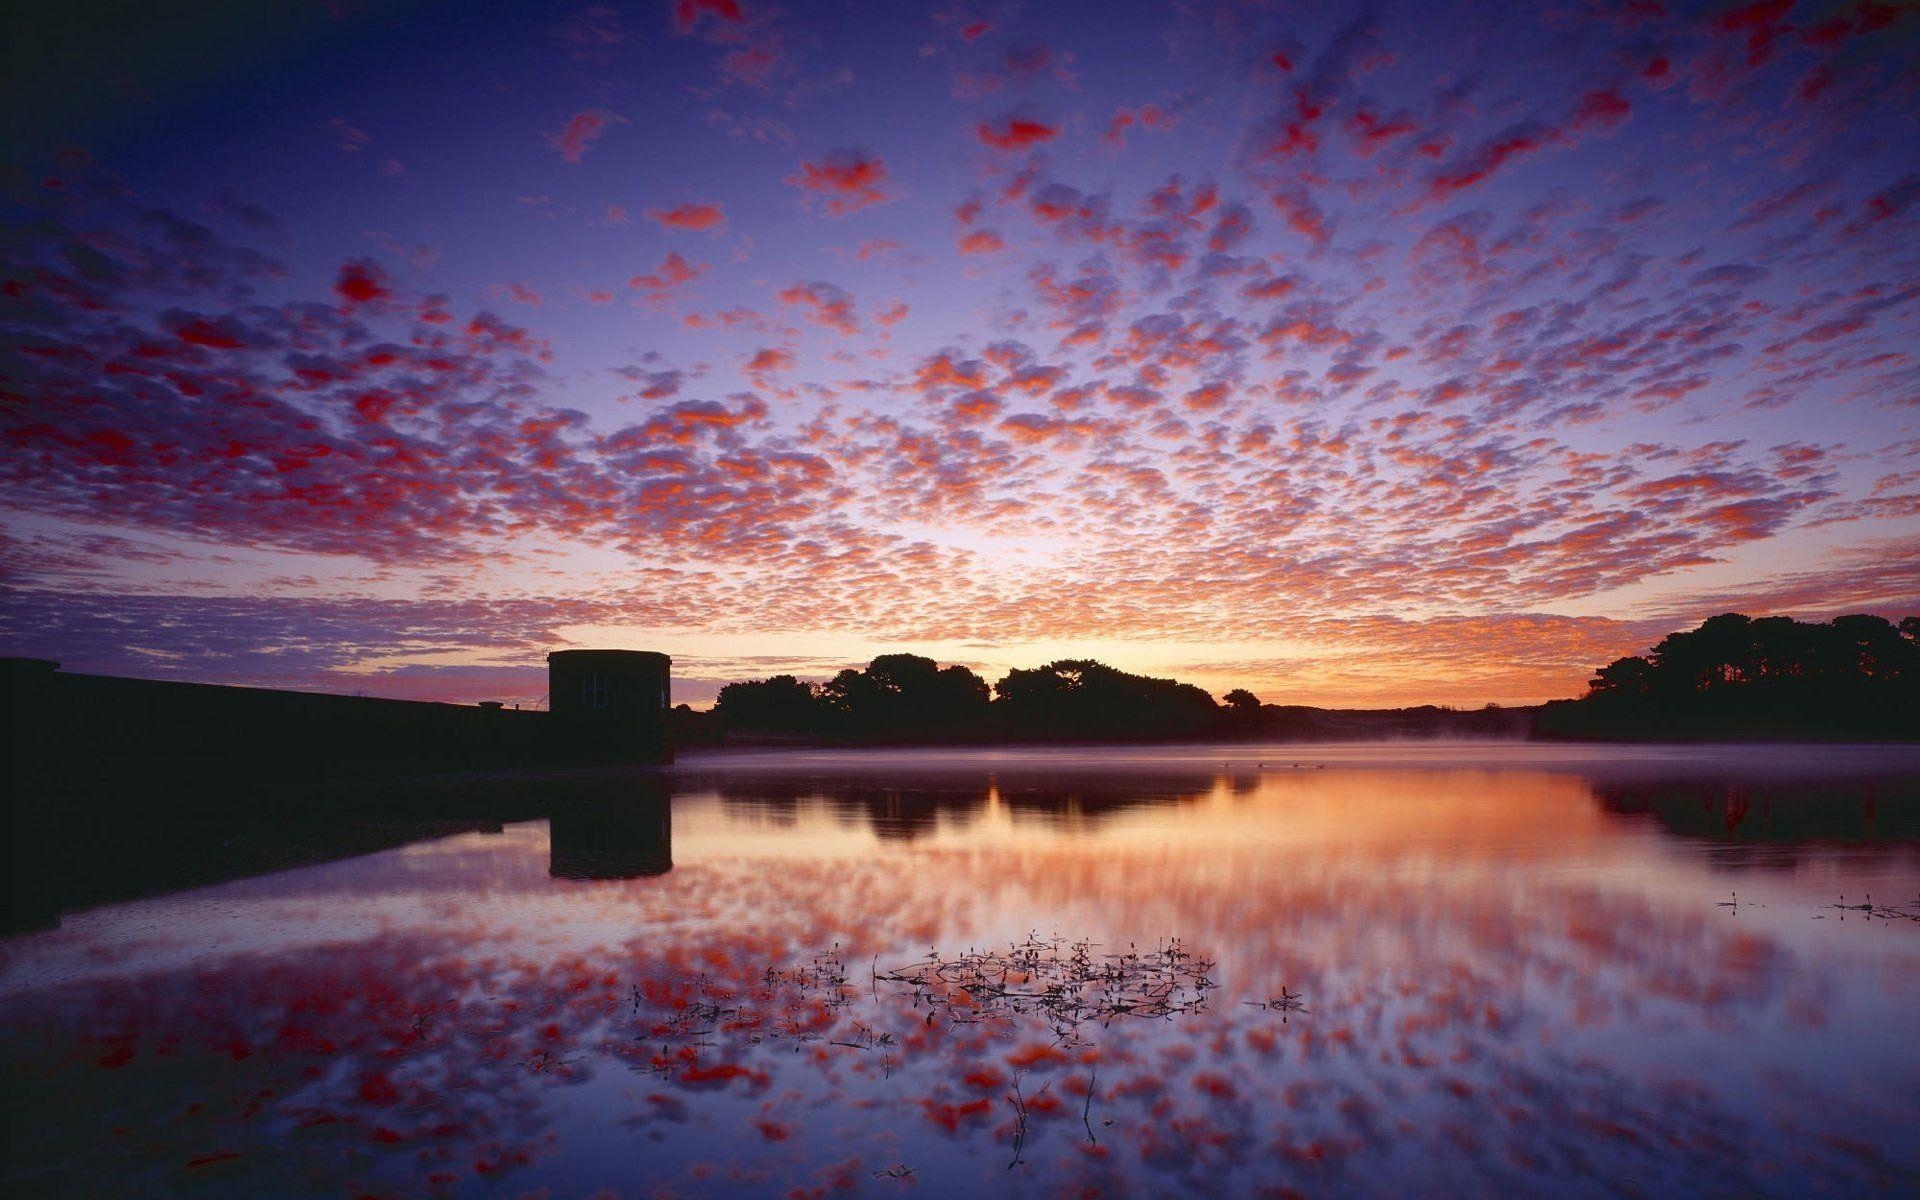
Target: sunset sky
1351,354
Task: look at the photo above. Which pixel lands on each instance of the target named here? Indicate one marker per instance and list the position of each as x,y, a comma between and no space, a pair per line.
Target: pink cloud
581,131
362,281
687,14
1761,23
846,181
1604,109
1146,117
824,304
348,137
1490,157
771,358
1371,132
591,34
1015,132
673,273
696,217
519,293
982,241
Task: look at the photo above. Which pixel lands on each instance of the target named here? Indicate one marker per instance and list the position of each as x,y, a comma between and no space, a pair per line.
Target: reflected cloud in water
1514,979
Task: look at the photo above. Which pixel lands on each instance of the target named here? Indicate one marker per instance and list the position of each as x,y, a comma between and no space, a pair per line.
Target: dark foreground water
1382,971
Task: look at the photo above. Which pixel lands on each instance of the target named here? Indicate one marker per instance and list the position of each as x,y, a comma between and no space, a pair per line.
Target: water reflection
955,800
1863,811
628,837
1513,979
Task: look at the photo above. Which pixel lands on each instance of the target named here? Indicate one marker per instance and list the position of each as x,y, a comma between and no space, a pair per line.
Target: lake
1369,970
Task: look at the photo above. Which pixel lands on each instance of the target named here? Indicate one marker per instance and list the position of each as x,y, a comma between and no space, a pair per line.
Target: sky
1355,355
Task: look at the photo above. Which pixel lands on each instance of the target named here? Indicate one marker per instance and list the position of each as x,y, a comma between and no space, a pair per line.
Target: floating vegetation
1064,983
1909,911
1020,1116
1086,1109
544,1061
824,976
1286,1002
865,1039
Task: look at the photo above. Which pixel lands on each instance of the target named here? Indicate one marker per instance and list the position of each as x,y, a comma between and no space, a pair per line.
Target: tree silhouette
782,704
1084,698
1632,676
899,693
1857,675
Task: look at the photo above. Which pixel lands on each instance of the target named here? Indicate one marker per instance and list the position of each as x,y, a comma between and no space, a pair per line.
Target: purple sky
1411,353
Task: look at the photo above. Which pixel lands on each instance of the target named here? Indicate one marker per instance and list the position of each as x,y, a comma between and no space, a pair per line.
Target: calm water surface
1423,970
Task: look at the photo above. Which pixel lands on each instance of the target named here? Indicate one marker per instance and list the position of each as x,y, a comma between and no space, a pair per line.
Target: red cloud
824,303
1302,214
362,282
1762,23
982,241
1371,131
519,293
580,131
1234,226
688,13
672,272
1208,397
771,359
941,371
592,34
751,64
1486,160
1604,109
654,385
1894,200
1033,428
848,180
696,216
1015,133
206,333
1147,116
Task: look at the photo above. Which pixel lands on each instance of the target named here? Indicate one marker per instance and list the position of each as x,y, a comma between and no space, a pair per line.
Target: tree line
1737,676
910,697
906,698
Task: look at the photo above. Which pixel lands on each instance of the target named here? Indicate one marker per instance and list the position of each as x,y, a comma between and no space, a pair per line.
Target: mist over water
1452,968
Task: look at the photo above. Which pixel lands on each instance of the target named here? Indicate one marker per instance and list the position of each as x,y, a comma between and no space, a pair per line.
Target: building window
593,690
666,701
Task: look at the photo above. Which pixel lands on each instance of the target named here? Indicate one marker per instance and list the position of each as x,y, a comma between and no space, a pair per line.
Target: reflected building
628,837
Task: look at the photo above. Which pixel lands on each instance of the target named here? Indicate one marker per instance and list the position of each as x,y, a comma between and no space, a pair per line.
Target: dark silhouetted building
615,701
606,707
